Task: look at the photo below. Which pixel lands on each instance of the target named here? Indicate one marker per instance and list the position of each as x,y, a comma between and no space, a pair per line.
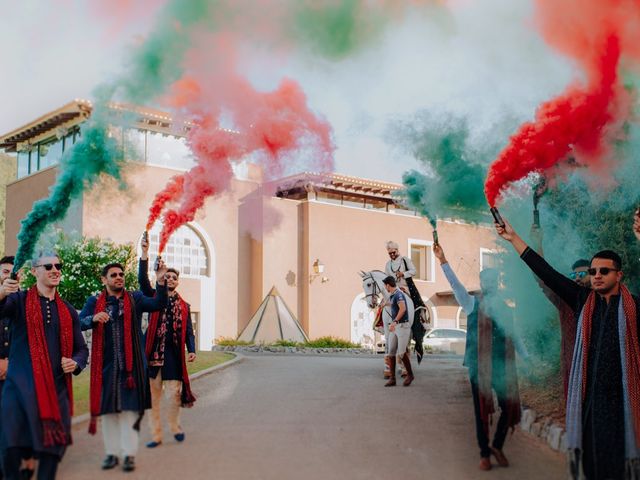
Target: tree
83,259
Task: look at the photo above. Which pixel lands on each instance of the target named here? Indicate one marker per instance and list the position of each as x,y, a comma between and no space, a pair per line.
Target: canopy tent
273,321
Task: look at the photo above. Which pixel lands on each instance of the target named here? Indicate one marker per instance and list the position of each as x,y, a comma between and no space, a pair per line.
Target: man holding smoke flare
603,401
490,358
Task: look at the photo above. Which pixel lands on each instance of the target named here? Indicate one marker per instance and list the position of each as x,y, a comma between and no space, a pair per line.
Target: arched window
185,251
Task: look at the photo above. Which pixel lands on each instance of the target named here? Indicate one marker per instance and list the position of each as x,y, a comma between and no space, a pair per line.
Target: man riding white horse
374,288
403,270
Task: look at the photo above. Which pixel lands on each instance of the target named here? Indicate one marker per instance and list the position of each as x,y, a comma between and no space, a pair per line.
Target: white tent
273,321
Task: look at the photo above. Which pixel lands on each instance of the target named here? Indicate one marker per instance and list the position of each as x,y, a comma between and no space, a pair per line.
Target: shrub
83,259
286,343
330,342
231,342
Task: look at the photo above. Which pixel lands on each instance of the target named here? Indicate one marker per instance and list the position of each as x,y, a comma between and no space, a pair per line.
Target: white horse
374,288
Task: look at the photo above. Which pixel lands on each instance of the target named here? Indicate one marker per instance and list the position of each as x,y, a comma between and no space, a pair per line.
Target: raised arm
143,278
152,304
143,269
466,301
562,286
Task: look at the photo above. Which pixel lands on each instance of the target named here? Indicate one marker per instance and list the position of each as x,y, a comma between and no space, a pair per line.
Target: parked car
445,340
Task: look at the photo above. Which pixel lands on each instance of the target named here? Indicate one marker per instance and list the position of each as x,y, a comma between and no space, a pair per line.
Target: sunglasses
393,252
574,275
49,266
171,277
603,270
116,274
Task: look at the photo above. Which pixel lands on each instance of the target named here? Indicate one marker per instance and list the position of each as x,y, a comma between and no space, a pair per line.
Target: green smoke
155,65
158,62
94,154
452,182
336,29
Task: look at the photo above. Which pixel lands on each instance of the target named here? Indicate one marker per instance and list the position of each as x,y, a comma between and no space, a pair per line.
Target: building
308,235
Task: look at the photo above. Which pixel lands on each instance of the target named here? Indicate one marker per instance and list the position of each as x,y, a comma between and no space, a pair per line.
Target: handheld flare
145,236
156,264
536,217
435,237
497,217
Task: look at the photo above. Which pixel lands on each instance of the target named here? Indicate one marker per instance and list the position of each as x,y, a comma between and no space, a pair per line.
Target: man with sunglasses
170,331
119,389
47,346
603,401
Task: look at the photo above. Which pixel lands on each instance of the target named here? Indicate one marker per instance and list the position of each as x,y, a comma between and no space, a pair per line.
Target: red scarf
485,359
187,396
97,356
53,432
632,349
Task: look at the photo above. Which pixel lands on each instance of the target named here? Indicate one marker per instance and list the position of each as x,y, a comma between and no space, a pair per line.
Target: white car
445,340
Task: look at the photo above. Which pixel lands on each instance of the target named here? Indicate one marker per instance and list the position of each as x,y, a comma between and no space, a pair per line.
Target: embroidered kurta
602,410
115,396
21,425
402,264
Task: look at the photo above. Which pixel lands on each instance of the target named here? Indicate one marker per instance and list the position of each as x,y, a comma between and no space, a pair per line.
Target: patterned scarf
485,365
156,358
181,317
53,432
97,356
630,361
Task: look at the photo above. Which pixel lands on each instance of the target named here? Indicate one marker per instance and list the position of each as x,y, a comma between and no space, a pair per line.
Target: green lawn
203,361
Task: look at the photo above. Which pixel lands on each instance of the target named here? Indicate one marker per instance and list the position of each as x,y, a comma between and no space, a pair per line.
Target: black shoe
109,462
26,473
179,437
129,464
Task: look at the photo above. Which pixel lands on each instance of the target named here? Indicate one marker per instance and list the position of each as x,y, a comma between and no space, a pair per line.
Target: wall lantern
318,270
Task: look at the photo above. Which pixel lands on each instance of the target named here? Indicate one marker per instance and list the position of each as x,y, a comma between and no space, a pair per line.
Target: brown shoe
500,458
485,463
392,373
387,371
406,361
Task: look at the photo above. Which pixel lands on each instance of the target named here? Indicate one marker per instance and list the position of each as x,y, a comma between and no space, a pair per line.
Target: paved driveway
299,417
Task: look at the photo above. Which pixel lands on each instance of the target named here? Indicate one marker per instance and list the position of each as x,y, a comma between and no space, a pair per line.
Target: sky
482,60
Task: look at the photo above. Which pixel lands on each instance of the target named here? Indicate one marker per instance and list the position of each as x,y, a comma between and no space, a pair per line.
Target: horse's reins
376,290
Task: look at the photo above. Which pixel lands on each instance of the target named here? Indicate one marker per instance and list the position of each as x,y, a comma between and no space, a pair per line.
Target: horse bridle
376,288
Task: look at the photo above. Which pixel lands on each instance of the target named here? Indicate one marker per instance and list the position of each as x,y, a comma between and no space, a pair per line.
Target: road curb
238,358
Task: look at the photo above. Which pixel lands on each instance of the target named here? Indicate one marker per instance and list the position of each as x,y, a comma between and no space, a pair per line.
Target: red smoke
276,128
588,115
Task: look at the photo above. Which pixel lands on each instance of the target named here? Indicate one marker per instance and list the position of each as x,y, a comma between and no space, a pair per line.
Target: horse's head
371,289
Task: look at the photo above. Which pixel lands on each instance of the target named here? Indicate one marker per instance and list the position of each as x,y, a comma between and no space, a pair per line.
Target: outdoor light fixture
318,269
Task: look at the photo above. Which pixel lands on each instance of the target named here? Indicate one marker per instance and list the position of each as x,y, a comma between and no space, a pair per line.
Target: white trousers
120,439
399,339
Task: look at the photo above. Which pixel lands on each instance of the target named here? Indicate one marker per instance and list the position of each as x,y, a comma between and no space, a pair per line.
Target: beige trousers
174,388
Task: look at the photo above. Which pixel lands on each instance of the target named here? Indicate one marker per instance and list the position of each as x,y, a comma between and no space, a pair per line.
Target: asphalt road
299,417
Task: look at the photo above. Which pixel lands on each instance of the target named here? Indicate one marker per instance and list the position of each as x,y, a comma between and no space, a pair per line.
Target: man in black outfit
603,405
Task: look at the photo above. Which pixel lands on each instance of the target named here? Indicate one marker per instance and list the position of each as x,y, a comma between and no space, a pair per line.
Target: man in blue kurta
490,358
119,391
169,333
47,346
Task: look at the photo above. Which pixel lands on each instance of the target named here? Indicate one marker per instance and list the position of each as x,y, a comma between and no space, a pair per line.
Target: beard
171,289
117,289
